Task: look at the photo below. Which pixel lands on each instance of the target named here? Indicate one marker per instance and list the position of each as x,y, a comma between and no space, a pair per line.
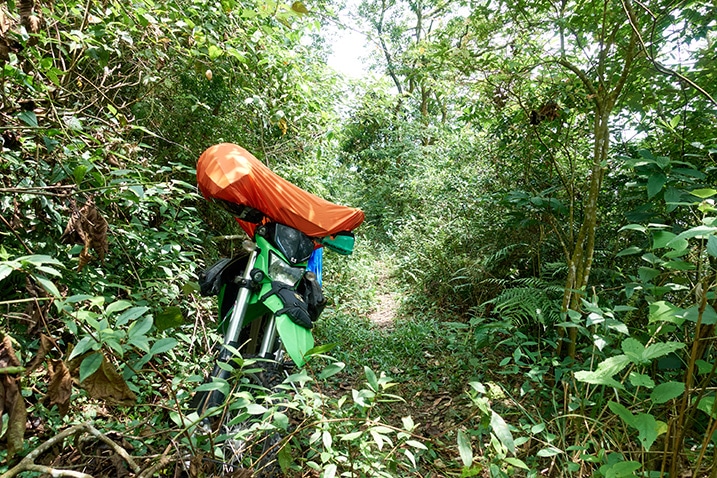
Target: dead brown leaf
46,345
59,390
87,226
106,384
11,400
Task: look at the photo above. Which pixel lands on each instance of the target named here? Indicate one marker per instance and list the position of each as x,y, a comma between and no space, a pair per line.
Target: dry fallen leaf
11,400
59,390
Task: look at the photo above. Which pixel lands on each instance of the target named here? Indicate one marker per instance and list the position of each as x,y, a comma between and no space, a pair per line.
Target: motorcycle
269,297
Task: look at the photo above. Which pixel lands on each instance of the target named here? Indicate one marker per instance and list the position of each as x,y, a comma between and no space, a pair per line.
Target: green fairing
296,339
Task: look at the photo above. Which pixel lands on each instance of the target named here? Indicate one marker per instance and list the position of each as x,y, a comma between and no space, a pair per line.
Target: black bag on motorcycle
310,290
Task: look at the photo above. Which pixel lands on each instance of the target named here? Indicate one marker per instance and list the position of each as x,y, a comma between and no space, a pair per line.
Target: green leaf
604,372
706,404
332,369
502,432
549,451
709,315
629,251
321,349
641,380
140,327
699,231
85,344
163,345
655,183
516,462
48,285
647,428
351,436
169,318
464,448
256,409
659,349
131,314
371,378
5,270
704,193
663,311
622,412
667,391
29,118
712,245
633,349
633,227
117,306
215,52
90,365
660,238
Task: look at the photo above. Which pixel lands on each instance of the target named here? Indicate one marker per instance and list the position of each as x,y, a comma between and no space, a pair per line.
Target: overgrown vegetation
539,185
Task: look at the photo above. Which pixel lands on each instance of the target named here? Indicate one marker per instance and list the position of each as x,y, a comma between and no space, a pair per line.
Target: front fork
236,322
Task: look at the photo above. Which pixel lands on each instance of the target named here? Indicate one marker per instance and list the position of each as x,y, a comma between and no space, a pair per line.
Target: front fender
297,340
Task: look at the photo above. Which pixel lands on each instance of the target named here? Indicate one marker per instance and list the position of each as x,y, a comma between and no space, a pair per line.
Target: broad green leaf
679,266
659,349
131,314
633,227
332,369
85,344
117,306
464,448
698,231
663,311
502,432
633,349
629,251
351,436
646,274
667,391
371,378
90,365
516,462
330,471
29,118
140,327
549,451
647,428
5,270
704,193
709,315
655,183
660,238
641,380
605,371
321,349
163,345
221,385
622,412
48,285
169,318
141,342
712,245
706,404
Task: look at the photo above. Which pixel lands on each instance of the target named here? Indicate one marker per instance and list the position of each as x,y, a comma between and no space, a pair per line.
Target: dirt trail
387,302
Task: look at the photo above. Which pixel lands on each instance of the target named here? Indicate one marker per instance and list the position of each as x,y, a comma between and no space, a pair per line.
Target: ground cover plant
533,291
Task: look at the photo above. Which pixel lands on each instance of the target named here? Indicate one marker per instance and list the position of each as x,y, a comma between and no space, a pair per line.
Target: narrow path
384,312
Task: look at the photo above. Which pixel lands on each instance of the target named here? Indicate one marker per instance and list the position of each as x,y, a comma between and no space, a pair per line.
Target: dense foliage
538,181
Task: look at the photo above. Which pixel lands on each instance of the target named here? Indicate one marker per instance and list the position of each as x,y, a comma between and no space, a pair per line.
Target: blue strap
316,262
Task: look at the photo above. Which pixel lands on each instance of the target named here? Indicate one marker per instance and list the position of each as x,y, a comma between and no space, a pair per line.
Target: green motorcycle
269,298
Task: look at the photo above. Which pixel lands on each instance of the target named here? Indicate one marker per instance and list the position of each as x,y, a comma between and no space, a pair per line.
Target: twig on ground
28,463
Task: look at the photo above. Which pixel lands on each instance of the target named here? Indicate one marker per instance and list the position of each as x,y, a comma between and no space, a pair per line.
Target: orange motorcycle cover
229,172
